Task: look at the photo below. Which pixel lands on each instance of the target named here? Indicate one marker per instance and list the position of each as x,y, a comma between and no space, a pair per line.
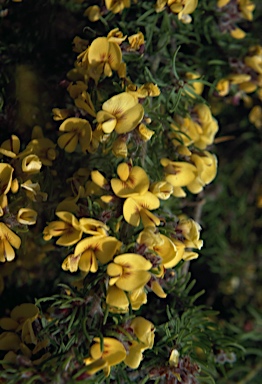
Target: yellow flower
162,189
136,41
129,271
197,86
117,6
255,60
190,230
112,353
144,331
179,174
6,172
121,113
133,181
76,88
79,45
222,87
93,13
31,164
144,132
78,130
8,239
174,358
83,101
27,216
138,208
181,7
246,8
116,36
43,148
68,229
206,165
159,243
88,251
103,58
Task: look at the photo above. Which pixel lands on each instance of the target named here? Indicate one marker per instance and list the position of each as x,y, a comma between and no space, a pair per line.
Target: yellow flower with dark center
179,174
103,58
121,113
8,240
133,181
138,208
129,271
68,229
77,131
89,250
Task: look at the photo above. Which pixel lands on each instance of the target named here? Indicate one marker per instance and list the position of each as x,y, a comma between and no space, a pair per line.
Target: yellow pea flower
83,101
89,250
121,113
103,58
93,227
113,353
8,239
190,230
144,132
144,332
222,87
179,174
68,229
255,61
116,36
162,189
77,130
138,208
136,41
44,149
133,181
31,164
117,6
159,243
129,271
26,216
246,8
79,44
93,13
76,88
206,165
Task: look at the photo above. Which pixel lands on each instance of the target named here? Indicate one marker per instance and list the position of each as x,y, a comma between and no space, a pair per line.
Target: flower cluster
19,336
